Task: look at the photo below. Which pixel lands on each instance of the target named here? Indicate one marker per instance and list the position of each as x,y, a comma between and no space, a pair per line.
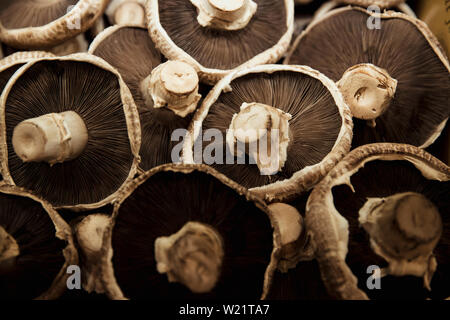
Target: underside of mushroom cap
151,209
175,30
405,48
28,24
45,245
345,250
115,45
319,130
96,93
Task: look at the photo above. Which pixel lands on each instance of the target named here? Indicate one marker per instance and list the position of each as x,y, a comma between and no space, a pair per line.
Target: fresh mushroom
166,94
390,226
36,24
70,131
223,242
36,247
218,36
395,79
278,129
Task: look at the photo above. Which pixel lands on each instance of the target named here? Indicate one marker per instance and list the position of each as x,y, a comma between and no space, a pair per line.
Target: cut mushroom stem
264,131
174,85
193,256
225,14
368,91
295,246
404,229
8,246
130,13
53,138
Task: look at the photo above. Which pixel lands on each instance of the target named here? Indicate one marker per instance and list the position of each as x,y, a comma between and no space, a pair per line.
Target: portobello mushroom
31,24
278,129
165,99
36,247
217,36
70,131
225,242
126,12
390,226
395,79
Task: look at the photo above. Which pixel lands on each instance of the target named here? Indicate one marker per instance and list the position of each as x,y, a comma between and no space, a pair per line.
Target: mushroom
278,129
126,12
33,24
166,93
390,226
369,4
217,36
70,131
36,247
223,243
395,79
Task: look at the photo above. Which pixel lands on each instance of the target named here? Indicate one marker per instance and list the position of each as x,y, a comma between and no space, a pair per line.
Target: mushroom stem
8,246
130,13
9,250
174,85
265,131
368,90
89,234
53,138
193,256
225,14
294,241
404,229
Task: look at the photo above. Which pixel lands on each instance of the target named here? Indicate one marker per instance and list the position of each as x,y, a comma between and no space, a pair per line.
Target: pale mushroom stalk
295,245
9,249
225,14
173,85
264,131
404,229
126,12
89,233
192,256
52,138
368,91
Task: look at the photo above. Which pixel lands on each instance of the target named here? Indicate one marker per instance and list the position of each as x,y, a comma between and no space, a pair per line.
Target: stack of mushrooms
222,149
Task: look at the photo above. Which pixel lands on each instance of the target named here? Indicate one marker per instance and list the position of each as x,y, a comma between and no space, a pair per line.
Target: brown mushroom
36,247
34,24
278,129
218,36
395,79
393,219
166,93
223,242
79,142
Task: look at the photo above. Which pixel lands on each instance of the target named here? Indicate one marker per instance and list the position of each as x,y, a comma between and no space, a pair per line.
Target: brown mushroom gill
40,258
94,95
223,49
161,207
157,124
383,179
15,14
420,102
314,126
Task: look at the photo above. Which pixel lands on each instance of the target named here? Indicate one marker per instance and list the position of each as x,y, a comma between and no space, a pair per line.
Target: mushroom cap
131,51
321,125
45,244
174,29
31,24
90,87
405,48
383,4
374,170
151,208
